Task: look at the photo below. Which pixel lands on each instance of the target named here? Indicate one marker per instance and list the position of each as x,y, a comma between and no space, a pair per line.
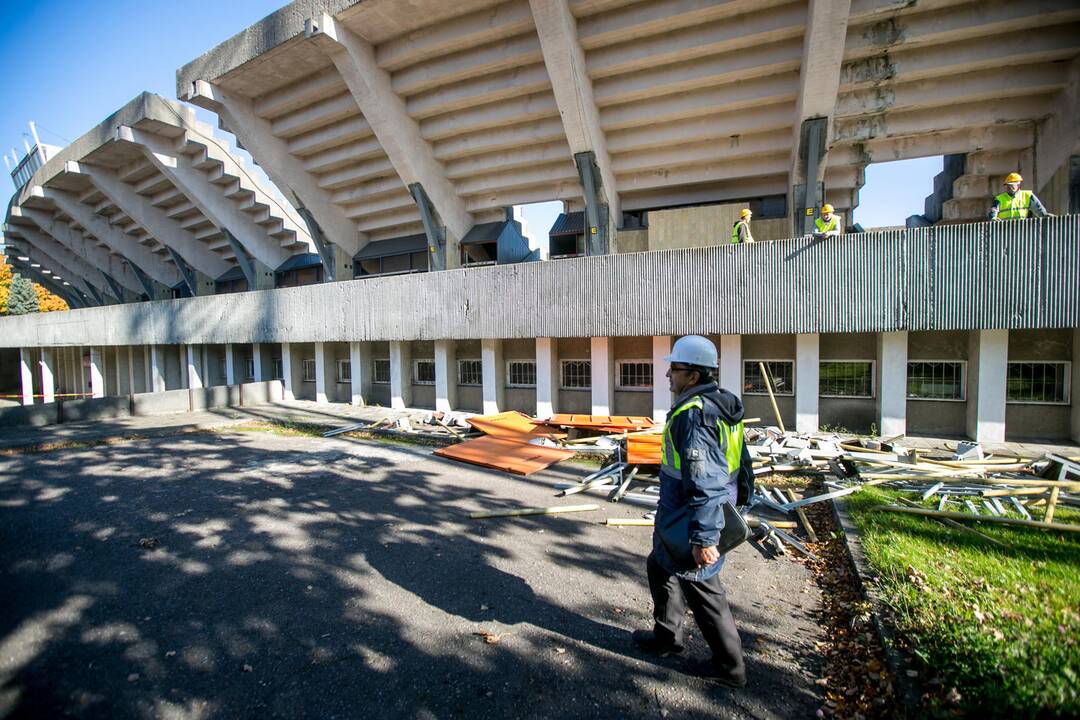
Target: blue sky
70,64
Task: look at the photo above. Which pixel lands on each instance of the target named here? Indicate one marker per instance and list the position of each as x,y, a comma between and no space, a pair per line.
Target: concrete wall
769,347
520,399
423,396
630,241
469,397
572,401
1039,421
302,389
633,402
170,401
336,390
380,392
707,225
855,414
937,417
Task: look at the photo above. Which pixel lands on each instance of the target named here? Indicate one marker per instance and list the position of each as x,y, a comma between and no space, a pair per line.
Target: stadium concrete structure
386,264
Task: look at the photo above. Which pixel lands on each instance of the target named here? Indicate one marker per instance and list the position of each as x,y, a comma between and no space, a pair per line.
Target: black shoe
647,641
707,670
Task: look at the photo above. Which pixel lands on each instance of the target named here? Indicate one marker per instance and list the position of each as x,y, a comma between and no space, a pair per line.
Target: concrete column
1075,386
230,364
892,383
807,360
131,369
988,359
26,375
400,374
731,370
148,366
494,372
547,376
123,372
360,369
445,382
195,372
48,375
602,357
257,361
320,373
182,352
97,372
157,369
661,391
288,390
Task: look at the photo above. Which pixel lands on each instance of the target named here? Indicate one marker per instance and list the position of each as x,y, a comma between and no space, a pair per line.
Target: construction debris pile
948,484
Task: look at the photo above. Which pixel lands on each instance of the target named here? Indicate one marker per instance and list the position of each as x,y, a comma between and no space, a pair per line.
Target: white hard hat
694,350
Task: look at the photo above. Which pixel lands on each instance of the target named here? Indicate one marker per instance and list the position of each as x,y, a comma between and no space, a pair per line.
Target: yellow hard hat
826,208
1013,178
745,213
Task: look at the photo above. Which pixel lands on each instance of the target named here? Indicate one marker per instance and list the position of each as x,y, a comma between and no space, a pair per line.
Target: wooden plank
512,425
521,512
803,519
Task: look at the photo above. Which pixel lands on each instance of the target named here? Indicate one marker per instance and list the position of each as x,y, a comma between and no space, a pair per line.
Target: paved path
300,577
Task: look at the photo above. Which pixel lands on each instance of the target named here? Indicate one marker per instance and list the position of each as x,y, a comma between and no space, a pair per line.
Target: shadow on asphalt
257,599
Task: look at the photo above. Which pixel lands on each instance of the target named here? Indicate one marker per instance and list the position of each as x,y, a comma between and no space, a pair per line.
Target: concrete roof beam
1059,134
567,190
918,122
573,88
736,147
370,189
672,195
554,173
356,173
504,54
368,151
285,169
524,157
154,220
76,267
384,109
292,98
625,24
492,88
352,130
718,127
317,115
56,269
727,171
398,201
502,138
485,117
758,27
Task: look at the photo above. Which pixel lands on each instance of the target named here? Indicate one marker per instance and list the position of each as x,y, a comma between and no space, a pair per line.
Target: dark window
847,378
1038,382
781,372
577,374
935,380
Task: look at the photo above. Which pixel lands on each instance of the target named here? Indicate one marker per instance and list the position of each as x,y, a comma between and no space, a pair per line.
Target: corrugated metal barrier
1015,274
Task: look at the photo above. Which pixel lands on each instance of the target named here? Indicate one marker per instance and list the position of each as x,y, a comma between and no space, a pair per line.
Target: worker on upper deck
1014,203
740,231
828,225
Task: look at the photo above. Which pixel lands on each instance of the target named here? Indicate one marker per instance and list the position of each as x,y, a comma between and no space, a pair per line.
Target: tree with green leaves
22,299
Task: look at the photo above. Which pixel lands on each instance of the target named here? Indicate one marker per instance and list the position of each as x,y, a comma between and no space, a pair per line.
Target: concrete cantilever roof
150,187
486,102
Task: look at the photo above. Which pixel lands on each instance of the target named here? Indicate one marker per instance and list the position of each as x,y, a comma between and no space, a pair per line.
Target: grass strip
997,629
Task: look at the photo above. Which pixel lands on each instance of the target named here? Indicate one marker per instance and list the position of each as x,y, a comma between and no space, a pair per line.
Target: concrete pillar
602,356
1076,386
257,361
320,373
157,369
731,370
97,372
807,361
360,370
230,364
494,375
195,373
131,370
148,366
400,374
288,389
892,383
988,359
182,352
661,390
547,376
123,372
445,382
26,375
48,375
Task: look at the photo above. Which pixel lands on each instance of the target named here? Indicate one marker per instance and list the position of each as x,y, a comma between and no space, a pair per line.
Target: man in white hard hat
704,462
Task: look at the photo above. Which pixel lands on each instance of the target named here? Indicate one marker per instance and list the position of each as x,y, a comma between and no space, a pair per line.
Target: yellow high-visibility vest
822,226
730,437
1011,207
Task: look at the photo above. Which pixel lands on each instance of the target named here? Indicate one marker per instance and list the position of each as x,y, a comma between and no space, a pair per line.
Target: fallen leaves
149,543
491,638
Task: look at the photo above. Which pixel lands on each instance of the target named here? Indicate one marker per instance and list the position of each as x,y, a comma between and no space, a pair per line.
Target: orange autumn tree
47,302
5,284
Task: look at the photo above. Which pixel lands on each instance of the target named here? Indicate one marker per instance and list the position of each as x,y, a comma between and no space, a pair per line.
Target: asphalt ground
250,575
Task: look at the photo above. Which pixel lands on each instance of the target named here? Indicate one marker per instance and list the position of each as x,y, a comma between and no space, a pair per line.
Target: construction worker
1014,203
704,461
828,225
740,231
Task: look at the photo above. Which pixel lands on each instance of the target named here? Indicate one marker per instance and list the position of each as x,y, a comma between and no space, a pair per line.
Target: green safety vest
822,226
735,232
1015,206
729,436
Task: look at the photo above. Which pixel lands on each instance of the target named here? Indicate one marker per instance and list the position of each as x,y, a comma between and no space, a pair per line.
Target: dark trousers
671,595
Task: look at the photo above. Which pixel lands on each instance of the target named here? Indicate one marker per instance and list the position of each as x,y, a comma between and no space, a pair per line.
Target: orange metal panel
512,425
643,449
504,454
601,422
